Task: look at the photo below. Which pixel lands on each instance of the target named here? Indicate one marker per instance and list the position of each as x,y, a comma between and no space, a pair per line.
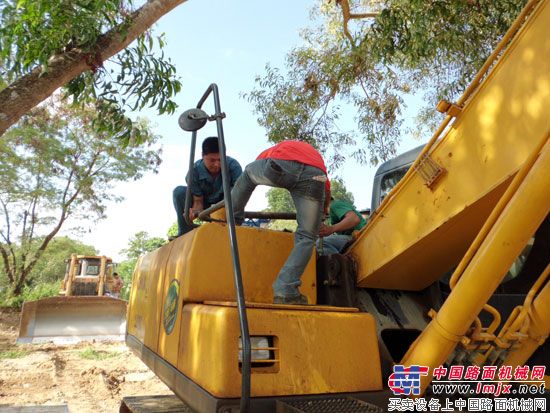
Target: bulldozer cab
87,275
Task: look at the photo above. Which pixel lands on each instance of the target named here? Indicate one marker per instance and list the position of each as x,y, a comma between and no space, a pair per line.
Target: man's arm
197,207
349,221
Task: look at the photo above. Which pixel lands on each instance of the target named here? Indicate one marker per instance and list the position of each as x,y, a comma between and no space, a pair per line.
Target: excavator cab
84,309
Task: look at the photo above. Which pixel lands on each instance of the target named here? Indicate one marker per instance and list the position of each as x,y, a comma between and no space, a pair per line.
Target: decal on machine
170,311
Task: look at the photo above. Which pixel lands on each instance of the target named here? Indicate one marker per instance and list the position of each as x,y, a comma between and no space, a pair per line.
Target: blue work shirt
209,187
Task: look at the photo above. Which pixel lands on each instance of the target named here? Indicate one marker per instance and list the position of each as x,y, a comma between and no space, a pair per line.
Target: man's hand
194,213
325,230
196,208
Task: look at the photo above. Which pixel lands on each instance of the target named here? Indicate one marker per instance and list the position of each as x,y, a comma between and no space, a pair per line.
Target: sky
227,43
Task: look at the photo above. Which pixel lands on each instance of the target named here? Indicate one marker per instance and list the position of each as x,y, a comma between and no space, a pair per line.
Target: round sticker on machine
170,311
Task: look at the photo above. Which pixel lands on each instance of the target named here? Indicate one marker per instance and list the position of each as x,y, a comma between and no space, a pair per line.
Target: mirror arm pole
189,179
230,218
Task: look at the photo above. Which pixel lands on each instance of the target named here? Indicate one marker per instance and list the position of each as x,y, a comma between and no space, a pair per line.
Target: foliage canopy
138,244
141,243
54,166
411,48
42,39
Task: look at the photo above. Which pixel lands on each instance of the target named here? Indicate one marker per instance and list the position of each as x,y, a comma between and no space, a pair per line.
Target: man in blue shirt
206,183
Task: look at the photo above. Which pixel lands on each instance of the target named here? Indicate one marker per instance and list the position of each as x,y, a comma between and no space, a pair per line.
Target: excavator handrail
205,214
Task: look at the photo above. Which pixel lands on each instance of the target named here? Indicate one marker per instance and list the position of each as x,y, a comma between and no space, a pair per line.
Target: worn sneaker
298,300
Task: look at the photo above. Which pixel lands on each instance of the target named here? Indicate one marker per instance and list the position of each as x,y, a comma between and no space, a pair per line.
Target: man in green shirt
344,219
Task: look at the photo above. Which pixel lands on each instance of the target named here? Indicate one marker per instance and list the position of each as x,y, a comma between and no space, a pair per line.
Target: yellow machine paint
473,199
201,263
197,269
528,206
420,232
296,335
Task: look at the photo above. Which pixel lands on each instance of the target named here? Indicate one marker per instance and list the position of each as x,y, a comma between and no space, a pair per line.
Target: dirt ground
47,374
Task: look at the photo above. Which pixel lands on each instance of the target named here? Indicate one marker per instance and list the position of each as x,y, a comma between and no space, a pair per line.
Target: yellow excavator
451,270
84,310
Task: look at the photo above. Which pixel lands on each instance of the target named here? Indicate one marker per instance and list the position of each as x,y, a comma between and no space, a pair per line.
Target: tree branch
64,215
8,228
362,83
27,235
9,268
31,89
25,271
69,181
33,217
325,107
348,15
6,260
99,168
25,215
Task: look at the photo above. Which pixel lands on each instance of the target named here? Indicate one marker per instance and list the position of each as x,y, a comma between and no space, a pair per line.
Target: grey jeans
332,244
307,188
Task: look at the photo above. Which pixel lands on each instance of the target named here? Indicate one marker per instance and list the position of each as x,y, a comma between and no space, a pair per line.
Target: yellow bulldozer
450,271
84,310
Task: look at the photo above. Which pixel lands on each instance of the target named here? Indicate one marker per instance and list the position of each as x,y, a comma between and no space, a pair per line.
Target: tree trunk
17,289
28,91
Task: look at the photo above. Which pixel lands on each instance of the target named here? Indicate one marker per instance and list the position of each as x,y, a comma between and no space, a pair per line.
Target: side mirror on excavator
193,119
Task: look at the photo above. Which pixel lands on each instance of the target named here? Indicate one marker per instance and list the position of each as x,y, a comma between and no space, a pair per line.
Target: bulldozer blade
66,320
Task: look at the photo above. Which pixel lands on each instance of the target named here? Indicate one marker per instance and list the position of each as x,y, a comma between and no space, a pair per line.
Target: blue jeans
307,188
332,244
178,197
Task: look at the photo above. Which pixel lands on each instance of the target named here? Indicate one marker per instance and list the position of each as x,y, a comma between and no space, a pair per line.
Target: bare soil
49,374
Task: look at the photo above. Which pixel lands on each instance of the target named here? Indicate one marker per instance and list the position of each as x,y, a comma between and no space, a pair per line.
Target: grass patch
13,354
91,354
